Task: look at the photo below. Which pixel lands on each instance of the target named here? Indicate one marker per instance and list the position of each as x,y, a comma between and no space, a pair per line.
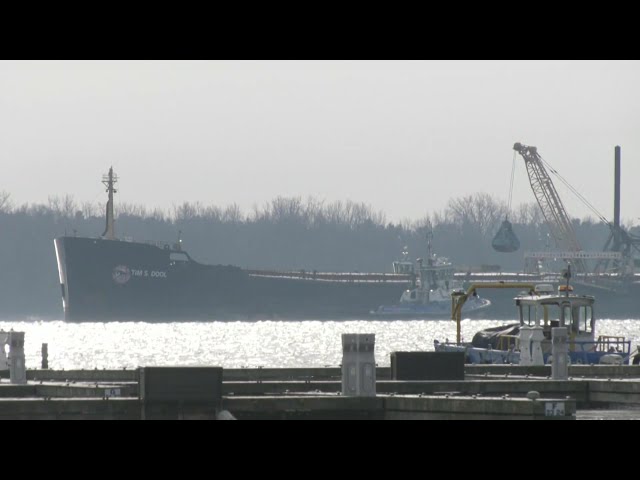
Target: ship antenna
429,236
109,181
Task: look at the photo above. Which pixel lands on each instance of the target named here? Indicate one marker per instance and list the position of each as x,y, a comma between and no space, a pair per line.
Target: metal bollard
559,350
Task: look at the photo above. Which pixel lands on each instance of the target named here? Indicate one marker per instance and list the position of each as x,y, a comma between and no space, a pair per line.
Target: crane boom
550,204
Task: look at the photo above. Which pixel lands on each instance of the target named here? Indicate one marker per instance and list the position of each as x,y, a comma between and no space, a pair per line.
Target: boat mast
431,283
429,249
109,181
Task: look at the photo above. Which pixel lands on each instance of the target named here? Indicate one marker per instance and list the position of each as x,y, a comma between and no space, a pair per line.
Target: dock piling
45,356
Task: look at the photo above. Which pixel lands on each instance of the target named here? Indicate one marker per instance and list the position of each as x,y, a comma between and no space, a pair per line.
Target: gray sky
404,137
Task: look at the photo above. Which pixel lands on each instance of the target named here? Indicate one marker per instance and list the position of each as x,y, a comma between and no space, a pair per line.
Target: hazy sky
402,136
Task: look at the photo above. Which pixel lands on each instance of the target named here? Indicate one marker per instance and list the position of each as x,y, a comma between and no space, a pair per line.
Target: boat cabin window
577,318
525,314
413,295
584,317
404,268
531,315
565,315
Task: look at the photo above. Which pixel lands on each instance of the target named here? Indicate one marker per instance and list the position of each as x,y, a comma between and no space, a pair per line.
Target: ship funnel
616,199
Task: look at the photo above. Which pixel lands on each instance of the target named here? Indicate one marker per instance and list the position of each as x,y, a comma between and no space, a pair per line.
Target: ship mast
109,181
429,272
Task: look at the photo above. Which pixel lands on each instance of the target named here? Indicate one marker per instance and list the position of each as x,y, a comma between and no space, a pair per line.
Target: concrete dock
486,392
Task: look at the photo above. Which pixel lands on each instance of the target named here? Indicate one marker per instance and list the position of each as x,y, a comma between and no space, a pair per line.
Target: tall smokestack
616,202
616,199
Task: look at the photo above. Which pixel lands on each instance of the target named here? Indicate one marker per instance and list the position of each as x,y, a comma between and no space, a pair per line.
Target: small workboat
432,289
539,310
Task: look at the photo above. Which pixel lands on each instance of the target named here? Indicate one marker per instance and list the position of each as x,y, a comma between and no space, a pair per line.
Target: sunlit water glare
234,344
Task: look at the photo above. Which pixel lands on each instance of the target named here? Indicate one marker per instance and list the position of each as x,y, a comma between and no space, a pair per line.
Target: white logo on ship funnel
121,274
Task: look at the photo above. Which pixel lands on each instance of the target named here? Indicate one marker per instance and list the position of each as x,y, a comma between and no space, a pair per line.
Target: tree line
287,233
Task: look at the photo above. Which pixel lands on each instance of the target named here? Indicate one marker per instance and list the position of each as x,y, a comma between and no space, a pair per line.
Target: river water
234,344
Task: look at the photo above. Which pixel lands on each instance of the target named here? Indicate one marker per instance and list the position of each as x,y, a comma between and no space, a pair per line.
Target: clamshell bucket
505,240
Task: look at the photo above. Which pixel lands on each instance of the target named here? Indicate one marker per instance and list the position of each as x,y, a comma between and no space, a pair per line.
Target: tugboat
430,294
540,309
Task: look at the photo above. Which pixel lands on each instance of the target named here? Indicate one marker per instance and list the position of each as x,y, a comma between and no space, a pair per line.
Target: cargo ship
110,279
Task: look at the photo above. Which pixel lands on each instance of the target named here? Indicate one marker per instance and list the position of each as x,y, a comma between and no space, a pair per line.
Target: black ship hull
113,280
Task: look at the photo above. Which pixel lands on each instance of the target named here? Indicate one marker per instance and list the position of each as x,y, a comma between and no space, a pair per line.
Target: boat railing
590,351
612,344
604,344
333,277
155,243
594,351
508,342
581,352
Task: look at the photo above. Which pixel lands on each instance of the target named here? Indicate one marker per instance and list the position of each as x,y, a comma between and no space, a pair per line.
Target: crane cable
585,201
576,193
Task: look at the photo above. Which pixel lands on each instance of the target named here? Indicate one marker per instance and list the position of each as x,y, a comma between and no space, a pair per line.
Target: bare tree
186,211
5,203
528,214
335,213
232,214
90,210
62,207
314,212
131,210
480,211
158,214
212,213
286,209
